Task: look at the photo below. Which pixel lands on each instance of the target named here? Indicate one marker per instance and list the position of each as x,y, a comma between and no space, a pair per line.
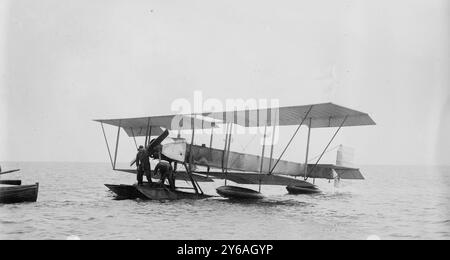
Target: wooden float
125,192
152,191
302,188
233,192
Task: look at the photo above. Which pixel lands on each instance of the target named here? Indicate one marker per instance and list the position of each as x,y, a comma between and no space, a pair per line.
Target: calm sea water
394,202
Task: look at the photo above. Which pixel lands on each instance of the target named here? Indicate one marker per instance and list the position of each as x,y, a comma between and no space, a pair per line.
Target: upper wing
321,115
138,126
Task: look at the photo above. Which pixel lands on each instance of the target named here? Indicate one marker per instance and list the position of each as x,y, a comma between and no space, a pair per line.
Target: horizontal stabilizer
325,171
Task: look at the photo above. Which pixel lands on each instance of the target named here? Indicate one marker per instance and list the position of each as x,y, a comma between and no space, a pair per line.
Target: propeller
155,142
158,140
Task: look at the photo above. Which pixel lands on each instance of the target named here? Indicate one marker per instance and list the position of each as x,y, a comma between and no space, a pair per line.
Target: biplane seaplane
188,158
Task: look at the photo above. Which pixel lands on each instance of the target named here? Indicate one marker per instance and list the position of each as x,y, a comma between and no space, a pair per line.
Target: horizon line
359,165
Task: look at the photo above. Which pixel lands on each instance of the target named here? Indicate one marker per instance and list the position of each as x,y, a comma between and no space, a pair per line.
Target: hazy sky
64,63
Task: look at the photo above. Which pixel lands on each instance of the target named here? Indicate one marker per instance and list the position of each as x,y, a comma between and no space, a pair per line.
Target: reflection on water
393,202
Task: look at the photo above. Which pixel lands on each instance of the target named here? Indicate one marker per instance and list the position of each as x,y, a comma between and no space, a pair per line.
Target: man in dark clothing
143,165
165,169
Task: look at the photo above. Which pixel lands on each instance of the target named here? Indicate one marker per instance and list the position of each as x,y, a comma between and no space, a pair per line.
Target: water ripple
73,203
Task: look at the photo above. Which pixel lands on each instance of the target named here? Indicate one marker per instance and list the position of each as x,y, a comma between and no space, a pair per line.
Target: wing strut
228,151
146,132
211,138
307,148
262,156
332,138
271,146
191,158
210,144
149,136
225,150
192,143
107,146
292,138
229,146
134,138
117,144
189,173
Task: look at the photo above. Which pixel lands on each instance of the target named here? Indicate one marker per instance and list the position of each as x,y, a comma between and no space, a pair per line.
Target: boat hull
11,182
151,191
238,193
17,194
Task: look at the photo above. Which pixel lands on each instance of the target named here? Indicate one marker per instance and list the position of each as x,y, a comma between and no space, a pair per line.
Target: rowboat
21,193
233,192
11,182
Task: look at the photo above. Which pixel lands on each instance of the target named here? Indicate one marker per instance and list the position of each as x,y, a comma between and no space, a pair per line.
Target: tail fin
345,156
